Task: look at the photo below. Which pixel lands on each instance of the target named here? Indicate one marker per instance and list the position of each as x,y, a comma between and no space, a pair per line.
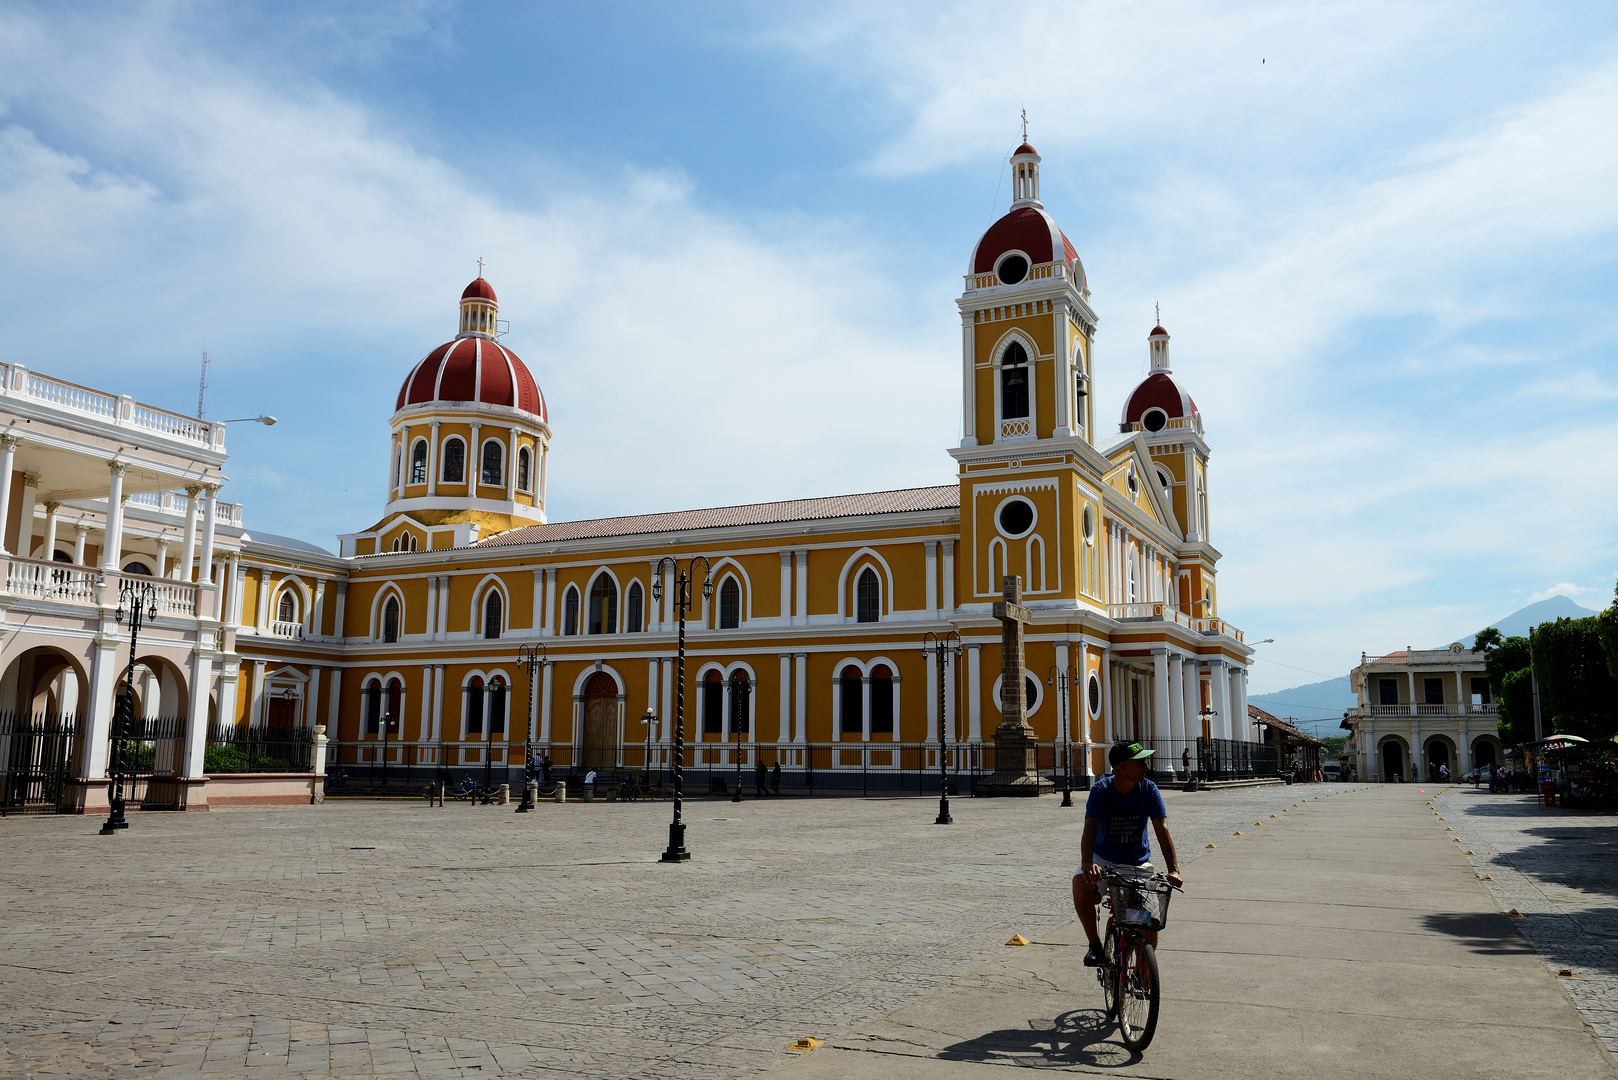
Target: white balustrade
70,395
173,597
43,580
123,411
293,630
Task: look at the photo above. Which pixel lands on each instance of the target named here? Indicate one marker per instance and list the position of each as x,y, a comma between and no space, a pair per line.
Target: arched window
741,701
287,609
1134,580
398,466
474,705
371,706
730,605
392,706
418,462
634,602
1014,382
852,695
494,473
390,620
603,606
497,706
491,614
881,699
868,597
713,703
522,469
454,462
570,612
138,568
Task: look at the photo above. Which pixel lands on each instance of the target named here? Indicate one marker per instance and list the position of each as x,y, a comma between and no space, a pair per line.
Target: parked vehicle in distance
1332,770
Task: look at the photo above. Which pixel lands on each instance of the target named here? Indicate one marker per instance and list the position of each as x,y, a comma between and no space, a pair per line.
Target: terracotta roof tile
769,513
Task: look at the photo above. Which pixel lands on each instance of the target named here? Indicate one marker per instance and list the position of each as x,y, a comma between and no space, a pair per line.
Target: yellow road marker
1018,939
805,1044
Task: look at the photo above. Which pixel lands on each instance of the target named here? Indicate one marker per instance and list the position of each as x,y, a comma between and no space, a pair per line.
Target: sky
728,238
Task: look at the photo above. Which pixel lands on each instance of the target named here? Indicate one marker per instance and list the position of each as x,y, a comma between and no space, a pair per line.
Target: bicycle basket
1141,902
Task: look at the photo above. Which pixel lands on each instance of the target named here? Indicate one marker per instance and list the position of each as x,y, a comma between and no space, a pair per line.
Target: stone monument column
1016,766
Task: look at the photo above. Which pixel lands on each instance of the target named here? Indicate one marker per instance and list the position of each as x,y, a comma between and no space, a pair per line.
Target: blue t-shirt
1122,836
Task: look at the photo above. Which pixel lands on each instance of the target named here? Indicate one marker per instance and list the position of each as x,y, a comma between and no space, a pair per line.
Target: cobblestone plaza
360,939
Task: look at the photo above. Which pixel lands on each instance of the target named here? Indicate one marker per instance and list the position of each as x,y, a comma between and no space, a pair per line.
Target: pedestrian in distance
760,777
545,767
775,777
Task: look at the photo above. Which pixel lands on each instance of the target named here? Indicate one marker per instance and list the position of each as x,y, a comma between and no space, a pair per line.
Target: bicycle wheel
1137,994
1107,973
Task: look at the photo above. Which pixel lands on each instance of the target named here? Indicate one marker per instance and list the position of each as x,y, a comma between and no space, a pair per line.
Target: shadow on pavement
1489,934
1074,1038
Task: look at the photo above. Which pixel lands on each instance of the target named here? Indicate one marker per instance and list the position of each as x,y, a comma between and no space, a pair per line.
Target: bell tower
1028,424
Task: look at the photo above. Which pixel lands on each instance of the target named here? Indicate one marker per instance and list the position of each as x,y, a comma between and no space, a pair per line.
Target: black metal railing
258,749
154,757
37,755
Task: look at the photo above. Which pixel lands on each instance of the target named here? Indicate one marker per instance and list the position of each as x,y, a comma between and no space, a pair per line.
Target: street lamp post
1062,679
1207,715
682,604
649,721
532,657
142,601
943,647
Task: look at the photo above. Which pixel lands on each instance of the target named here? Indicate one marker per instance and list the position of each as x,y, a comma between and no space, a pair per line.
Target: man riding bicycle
1115,820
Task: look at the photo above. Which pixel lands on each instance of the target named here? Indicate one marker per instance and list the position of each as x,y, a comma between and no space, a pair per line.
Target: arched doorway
598,747
40,731
1437,752
1393,759
1483,752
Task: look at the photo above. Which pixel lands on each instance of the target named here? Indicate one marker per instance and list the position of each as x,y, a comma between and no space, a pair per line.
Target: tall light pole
142,600
944,648
1062,679
532,657
682,604
739,707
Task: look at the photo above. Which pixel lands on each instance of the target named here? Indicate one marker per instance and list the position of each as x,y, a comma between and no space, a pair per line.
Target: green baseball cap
1127,751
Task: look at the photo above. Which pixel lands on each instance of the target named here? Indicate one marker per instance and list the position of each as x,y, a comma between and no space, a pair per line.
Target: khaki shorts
1144,868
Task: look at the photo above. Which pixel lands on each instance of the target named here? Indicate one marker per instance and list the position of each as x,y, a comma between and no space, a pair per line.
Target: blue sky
1383,236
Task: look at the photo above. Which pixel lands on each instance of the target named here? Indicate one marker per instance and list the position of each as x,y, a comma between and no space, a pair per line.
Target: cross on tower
480,266
1025,125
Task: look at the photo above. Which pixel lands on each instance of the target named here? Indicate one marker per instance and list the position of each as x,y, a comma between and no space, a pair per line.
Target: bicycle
1129,980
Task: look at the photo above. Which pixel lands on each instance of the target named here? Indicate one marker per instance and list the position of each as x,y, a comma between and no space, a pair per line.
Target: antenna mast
202,384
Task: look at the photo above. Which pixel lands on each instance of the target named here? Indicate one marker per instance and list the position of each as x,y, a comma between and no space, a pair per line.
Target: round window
1094,694
1012,269
1134,484
1016,517
1089,525
1155,419
1033,694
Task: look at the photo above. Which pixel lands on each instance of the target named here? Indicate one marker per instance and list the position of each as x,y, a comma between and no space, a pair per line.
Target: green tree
1488,638
1576,688
1607,631
1511,683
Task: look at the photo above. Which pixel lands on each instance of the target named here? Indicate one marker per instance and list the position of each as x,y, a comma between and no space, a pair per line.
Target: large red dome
1033,232
473,368
479,290
1158,390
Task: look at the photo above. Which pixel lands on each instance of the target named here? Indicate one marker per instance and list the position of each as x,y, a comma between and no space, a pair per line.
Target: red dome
1158,390
1029,230
473,368
1025,149
1156,330
479,290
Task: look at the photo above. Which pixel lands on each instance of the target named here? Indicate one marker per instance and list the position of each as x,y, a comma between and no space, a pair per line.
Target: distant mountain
1324,702
1517,623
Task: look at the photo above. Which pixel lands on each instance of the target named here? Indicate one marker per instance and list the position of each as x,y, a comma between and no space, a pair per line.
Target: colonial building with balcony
404,642
1420,709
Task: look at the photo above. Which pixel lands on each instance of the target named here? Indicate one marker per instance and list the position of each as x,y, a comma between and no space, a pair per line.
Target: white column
432,460
424,734
785,735
533,713
511,466
1249,732
949,578
80,531
476,462
8,461
550,602
544,707
1160,709
801,617
932,579
162,568
314,698
342,602
261,617
666,732
25,516
969,420
1176,703
865,708
800,690
1055,691
317,618
786,588
974,693
539,603
443,607
1220,673
651,685
52,518
188,549
1191,691
196,733
255,700
432,607
334,703
438,704
228,678
209,506
112,549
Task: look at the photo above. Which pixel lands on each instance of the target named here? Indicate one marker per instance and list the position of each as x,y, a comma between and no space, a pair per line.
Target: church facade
404,644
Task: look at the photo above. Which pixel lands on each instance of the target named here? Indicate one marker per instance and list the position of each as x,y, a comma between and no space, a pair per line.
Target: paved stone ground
387,939
1559,869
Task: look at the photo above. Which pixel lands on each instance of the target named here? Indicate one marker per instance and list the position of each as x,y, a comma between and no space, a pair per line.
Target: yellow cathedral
405,643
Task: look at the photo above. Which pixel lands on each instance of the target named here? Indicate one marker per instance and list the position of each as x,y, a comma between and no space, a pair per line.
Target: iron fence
154,759
259,748
37,755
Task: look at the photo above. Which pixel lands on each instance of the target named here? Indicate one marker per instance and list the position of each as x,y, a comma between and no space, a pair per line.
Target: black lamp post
142,601
1207,714
532,657
389,724
739,709
649,721
943,647
682,604
1062,679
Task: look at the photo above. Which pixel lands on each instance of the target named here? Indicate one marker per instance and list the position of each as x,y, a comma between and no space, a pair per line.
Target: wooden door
599,745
